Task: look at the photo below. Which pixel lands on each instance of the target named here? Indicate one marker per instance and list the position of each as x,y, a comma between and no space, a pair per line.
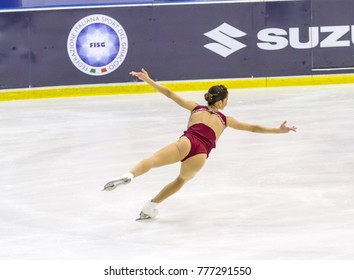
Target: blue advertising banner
332,29
51,3
10,4
210,41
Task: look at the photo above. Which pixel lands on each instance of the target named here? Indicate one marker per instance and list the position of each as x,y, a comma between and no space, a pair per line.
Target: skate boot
149,211
123,180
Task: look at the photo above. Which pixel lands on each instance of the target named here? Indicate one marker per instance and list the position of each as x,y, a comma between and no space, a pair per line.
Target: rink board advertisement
175,42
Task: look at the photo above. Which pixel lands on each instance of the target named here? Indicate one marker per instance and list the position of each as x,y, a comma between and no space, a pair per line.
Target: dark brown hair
215,94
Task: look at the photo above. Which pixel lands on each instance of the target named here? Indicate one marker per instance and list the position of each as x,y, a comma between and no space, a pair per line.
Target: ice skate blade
112,185
108,189
143,216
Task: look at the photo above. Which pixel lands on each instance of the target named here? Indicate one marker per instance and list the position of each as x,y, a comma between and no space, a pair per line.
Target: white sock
150,205
129,175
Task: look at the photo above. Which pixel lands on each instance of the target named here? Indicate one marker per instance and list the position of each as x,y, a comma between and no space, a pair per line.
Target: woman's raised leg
172,153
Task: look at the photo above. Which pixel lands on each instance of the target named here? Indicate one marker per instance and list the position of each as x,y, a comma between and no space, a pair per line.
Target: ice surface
259,196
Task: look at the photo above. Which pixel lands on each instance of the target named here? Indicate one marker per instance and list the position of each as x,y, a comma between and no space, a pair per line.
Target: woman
206,123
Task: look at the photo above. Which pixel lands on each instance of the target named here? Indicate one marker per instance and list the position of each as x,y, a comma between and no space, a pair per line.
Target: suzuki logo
270,39
224,36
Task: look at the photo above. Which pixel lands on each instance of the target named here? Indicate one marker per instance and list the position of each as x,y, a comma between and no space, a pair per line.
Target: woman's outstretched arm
144,76
233,123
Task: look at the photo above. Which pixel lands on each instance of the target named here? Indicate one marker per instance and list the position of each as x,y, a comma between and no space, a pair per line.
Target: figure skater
206,123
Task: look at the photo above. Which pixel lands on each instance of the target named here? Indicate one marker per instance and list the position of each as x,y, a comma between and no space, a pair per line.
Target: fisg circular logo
97,45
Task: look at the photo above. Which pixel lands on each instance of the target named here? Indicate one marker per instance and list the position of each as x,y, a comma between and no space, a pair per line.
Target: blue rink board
14,4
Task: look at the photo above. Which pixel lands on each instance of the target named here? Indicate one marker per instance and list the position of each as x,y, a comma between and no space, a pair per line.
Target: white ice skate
123,180
149,211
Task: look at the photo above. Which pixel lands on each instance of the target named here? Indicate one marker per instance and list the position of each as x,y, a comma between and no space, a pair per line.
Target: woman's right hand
143,75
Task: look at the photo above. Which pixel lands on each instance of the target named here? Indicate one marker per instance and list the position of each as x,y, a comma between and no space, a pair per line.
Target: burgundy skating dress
201,136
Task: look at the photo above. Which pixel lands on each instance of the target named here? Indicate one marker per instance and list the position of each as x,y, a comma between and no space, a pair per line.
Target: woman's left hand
285,129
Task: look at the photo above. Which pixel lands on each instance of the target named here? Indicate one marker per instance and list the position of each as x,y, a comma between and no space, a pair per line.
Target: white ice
260,196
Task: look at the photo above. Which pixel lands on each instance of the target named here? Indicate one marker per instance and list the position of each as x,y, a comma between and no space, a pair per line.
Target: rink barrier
245,39
177,86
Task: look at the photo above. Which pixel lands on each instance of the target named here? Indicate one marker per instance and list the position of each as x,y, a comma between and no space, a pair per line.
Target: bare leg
170,154
189,168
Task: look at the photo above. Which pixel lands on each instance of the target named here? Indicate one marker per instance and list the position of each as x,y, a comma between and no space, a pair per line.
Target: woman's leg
189,168
170,154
